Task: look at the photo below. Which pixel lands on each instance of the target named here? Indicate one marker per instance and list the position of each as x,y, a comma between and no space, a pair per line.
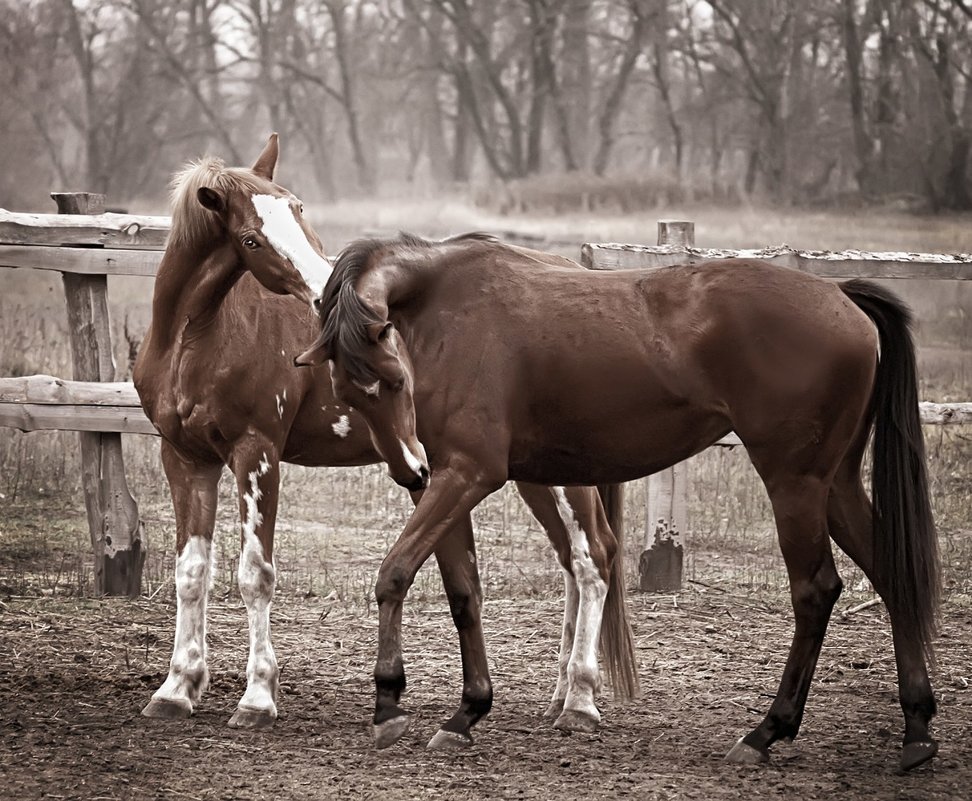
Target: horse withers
512,367
215,375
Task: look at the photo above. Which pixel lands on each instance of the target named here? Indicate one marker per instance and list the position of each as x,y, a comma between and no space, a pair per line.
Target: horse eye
251,243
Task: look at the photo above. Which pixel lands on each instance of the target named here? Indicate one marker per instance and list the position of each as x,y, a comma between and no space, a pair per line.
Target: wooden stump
660,566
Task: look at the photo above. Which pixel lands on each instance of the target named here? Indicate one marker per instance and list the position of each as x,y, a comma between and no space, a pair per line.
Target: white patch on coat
342,427
188,673
284,233
280,404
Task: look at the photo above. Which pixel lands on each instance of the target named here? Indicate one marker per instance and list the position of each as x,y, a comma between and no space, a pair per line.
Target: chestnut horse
215,375
517,368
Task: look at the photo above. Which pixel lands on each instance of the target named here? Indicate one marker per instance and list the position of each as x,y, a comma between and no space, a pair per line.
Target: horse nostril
424,474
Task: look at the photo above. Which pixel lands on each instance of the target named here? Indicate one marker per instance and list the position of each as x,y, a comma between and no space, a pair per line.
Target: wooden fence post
113,520
660,566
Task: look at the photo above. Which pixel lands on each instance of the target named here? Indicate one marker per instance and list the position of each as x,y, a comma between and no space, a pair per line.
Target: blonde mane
190,221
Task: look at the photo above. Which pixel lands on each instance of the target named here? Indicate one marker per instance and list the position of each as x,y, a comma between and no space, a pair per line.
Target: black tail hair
905,541
617,642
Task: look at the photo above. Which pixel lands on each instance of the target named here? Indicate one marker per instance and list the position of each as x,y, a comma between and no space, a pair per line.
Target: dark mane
345,316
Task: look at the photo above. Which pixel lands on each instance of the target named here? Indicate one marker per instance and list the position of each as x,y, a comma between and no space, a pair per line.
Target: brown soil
74,675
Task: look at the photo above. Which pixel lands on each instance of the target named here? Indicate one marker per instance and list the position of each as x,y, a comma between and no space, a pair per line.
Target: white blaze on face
282,230
342,427
256,577
415,463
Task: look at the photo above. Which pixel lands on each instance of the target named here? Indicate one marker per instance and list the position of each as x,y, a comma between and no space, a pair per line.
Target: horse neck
191,284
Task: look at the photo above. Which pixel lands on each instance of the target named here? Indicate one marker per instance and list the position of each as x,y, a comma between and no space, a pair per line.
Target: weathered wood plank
120,231
75,417
945,413
81,261
54,390
827,264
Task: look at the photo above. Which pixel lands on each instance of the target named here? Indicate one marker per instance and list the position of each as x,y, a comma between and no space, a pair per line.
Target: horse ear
316,354
211,199
267,161
378,332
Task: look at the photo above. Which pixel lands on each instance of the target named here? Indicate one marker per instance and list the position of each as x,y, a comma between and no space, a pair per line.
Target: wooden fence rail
87,247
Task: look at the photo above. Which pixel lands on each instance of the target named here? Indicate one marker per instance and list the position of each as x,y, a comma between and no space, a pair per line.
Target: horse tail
617,643
905,541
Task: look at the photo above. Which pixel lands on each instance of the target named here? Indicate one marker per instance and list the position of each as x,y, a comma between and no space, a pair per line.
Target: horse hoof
449,741
244,718
390,731
554,711
571,720
743,754
915,754
167,709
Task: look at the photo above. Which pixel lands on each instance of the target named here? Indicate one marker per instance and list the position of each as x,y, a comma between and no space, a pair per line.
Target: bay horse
215,375
513,367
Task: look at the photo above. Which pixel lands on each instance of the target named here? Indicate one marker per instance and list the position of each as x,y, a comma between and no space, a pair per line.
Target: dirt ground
74,675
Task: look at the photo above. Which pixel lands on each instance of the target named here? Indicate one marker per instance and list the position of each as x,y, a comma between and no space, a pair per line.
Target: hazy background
560,104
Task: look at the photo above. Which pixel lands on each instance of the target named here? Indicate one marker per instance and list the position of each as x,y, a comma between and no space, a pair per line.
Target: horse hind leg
585,559
849,517
194,488
456,556
257,471
799,506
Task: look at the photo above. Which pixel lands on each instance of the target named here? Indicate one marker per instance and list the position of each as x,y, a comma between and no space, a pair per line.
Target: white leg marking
257,578
582,671
188,674
571,600
342,427
284,233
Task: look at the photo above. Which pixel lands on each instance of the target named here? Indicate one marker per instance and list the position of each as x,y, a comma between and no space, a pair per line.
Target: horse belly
609,443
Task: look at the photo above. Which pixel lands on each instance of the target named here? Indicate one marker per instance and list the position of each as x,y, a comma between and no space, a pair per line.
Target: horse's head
370,369
265,225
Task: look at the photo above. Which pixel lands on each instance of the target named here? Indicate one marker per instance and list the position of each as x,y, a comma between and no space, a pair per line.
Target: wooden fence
86,245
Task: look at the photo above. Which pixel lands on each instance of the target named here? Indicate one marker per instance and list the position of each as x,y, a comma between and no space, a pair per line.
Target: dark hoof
449,741
571,720
244,718
743,754
915,754
166,709
390,731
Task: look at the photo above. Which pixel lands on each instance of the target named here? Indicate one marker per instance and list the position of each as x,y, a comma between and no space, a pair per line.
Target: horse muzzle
417,484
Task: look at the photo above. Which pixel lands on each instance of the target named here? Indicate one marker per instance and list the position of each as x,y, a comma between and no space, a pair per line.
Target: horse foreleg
193,488
257,471
456,555
452,494
569,520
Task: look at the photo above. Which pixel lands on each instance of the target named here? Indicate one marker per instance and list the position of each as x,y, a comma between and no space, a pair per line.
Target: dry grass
335,525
